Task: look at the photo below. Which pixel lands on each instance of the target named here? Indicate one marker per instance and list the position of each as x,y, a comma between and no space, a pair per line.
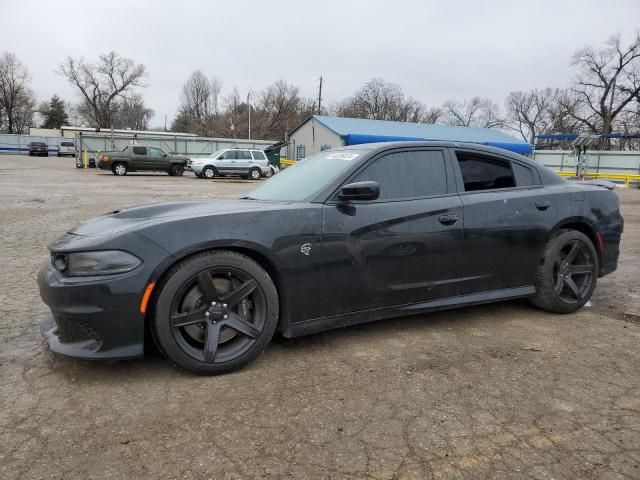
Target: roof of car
434,143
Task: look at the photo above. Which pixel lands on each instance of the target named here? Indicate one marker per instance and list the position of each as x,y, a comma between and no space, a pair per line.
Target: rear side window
408,174
140,150
258,156
524,175
480,172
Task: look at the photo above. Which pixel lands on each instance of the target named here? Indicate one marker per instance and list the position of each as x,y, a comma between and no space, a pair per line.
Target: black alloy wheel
216,312
568,273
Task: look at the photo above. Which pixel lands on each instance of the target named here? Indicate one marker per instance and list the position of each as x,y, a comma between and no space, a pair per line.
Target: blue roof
360,130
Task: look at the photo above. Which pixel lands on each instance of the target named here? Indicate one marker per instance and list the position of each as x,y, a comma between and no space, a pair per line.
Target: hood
133,218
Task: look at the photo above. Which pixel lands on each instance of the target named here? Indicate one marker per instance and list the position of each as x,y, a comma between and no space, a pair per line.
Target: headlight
103,262
104,157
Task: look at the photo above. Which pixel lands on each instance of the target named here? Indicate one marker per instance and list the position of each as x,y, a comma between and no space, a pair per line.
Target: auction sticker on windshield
342,156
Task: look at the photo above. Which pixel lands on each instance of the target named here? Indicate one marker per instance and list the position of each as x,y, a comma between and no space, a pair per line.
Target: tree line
602,98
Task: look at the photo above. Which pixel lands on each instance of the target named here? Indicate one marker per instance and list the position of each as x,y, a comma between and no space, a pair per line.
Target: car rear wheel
119,169
567,274
208,173
215,312
255,174
268,173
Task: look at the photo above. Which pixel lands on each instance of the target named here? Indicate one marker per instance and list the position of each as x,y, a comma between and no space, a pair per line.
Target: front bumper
93,318
197,169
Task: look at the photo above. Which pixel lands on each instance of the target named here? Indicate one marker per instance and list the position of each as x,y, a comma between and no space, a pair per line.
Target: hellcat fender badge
305,249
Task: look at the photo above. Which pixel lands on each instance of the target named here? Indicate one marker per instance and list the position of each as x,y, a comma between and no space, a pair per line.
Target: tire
214,338
59,155
567,273
208,173
269,173
120,169
255,174
176,170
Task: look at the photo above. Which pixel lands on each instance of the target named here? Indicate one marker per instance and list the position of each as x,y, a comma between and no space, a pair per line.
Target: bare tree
279,108
529,113
476,112
133,113
17,102
382,100
103,85
200,96
609,80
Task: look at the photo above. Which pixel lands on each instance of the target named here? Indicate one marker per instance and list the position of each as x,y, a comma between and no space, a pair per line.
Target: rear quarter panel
598,208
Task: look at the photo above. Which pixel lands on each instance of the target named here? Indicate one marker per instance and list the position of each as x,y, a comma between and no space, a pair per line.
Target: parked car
136,158
38,148
246,163
91,161
346,236
66,147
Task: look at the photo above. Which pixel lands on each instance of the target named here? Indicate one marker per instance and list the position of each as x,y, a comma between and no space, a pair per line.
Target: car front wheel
176,170
567,273
215,312
208,173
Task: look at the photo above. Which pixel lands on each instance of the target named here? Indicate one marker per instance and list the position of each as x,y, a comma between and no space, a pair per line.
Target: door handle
448,219
542,205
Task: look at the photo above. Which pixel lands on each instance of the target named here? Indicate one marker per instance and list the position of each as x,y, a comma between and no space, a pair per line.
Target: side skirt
316,325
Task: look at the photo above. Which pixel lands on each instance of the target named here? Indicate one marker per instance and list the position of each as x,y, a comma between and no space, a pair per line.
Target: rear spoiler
601,183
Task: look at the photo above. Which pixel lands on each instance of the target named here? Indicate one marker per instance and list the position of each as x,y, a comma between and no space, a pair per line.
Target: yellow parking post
85,158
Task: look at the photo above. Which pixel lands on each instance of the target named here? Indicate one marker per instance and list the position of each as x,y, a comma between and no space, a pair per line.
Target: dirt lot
497,391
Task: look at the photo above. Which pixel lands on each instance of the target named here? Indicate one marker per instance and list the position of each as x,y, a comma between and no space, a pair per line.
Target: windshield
307,177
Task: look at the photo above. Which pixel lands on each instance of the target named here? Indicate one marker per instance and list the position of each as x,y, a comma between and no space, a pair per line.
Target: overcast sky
434,49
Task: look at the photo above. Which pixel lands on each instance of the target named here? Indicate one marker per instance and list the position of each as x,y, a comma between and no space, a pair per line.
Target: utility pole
249,103
320,97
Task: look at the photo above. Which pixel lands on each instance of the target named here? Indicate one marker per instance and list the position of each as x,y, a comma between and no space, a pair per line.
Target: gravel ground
496,391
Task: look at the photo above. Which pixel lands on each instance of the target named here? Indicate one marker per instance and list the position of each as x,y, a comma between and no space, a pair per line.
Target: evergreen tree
55,113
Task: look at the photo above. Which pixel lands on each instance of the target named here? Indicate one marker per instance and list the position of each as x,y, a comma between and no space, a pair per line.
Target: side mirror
360,191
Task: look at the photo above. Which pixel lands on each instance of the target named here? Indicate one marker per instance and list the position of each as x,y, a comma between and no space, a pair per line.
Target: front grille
70,330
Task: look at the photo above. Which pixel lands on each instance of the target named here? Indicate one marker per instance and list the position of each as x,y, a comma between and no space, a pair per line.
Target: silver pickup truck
247,163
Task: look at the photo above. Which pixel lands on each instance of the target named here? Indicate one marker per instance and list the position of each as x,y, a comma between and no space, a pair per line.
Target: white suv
247,163
67,147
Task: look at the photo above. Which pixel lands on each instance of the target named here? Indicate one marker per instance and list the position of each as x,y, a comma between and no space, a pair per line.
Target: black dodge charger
344,237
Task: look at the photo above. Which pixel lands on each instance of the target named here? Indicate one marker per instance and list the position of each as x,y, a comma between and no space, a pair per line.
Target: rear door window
244,155
484,172
404,175
140,150
525,176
